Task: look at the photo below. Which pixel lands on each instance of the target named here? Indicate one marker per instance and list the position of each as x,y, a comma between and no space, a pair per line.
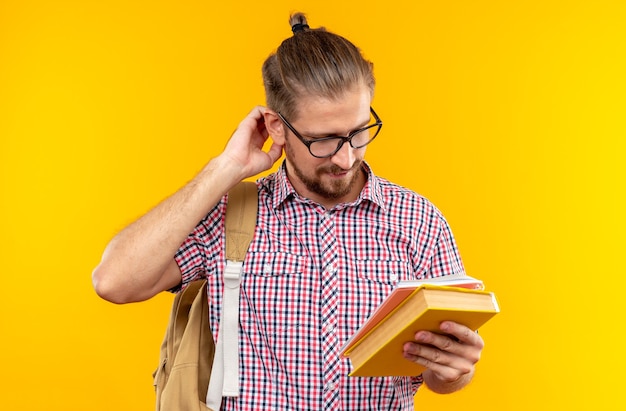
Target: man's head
313,62
319,89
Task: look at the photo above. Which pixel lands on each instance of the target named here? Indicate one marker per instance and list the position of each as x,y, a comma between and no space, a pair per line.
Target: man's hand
245,147
449,358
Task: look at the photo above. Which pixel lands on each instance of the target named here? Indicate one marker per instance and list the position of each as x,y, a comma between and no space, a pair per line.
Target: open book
376,348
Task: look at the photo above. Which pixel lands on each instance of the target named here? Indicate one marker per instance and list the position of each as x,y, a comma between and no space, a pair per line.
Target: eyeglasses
327,146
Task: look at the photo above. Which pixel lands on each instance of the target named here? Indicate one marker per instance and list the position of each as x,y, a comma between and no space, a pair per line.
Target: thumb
275,152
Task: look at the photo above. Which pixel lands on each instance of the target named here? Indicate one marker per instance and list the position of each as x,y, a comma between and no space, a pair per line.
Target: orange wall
508,115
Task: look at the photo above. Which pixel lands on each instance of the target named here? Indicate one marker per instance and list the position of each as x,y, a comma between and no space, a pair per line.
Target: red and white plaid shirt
311,278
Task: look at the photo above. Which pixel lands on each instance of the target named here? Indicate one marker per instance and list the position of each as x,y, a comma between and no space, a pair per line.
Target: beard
332,190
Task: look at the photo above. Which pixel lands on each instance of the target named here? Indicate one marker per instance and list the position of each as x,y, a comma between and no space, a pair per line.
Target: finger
448,343
257,111
462,333
275,152
429,352
254,125
447,366
468,350
260,126
254,117
260,135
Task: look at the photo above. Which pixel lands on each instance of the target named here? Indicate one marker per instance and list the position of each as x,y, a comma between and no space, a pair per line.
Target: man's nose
345,157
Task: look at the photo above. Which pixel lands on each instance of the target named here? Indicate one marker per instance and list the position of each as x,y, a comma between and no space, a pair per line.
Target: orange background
509,116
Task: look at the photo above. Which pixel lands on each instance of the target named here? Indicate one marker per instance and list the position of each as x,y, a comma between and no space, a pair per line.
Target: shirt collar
372,191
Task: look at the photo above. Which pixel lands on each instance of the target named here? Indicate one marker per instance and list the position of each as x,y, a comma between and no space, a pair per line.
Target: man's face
334,179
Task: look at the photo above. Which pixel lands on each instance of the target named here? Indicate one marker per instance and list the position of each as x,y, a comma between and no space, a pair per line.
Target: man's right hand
245,147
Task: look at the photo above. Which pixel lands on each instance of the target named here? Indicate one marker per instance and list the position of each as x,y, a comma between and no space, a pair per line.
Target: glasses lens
364,137
324,148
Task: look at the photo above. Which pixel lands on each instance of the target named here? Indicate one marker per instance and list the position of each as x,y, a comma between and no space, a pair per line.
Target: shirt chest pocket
379,277
272,264
276,291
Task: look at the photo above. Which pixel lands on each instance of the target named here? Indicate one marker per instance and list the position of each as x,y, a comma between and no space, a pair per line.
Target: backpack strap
240,222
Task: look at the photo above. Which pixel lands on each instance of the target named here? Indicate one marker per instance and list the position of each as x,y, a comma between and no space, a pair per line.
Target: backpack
188,352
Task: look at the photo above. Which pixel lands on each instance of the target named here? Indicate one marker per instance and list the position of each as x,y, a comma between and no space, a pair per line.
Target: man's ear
274,126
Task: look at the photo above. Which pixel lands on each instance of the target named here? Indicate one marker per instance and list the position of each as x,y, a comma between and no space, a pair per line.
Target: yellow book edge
379,369
353,344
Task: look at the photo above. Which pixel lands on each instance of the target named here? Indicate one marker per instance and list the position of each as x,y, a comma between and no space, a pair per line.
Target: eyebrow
322,135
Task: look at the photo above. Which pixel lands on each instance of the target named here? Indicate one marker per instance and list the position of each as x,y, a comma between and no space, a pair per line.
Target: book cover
376,348
403,290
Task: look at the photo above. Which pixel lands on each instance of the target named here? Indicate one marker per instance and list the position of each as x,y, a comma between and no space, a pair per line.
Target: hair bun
298,27
298,22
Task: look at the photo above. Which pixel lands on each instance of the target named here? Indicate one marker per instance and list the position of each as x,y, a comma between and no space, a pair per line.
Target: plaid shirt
311,278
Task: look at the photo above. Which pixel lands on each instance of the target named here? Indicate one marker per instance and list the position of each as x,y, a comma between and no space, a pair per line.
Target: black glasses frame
341,139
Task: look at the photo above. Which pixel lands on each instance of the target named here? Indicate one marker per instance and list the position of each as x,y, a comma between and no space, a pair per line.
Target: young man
332,240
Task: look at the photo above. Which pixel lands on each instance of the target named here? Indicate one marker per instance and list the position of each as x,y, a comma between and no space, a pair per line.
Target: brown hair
315,62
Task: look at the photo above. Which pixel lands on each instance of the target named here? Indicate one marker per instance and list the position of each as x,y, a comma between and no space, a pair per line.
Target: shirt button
267,269
393,277
330,386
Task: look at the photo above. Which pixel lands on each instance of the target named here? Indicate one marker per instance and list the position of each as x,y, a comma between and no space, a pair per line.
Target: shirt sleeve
198,255
446,259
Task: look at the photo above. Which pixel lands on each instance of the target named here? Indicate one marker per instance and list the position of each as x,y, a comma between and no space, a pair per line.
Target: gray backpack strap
241,214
